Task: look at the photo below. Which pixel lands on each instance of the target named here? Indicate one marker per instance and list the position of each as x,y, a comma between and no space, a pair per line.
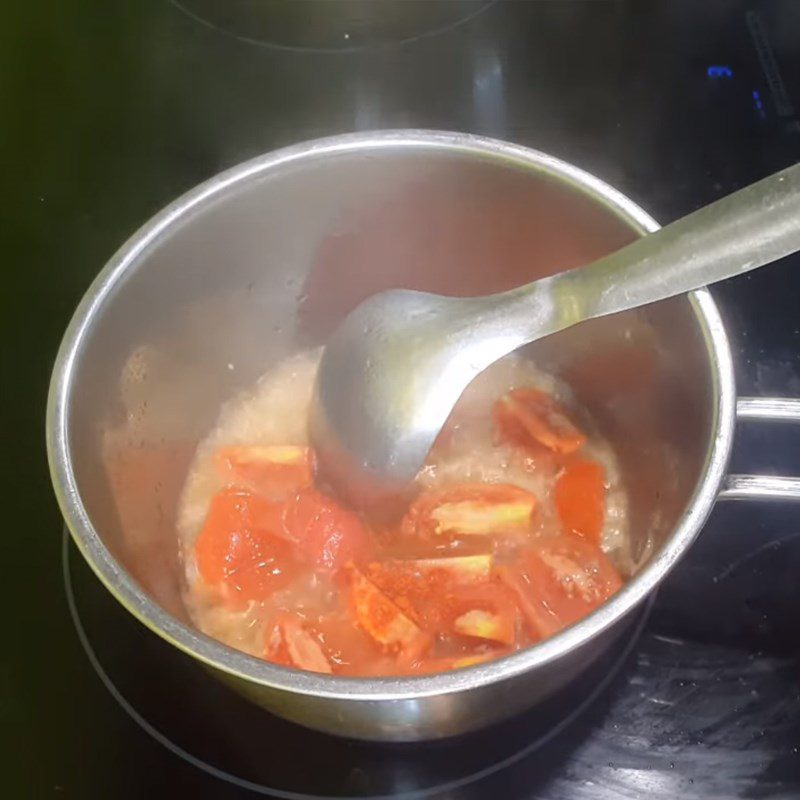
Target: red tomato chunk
328,534
240,549
559,582
580,499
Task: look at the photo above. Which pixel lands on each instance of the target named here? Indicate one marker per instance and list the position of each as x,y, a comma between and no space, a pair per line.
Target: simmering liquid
518,529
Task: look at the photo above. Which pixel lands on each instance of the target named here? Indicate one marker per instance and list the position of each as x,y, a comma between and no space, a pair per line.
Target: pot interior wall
272,263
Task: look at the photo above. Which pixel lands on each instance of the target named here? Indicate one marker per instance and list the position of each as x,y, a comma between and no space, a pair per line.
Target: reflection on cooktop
323,26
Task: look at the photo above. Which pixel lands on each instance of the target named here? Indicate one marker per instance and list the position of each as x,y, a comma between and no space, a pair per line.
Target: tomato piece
349,648
290,644
275,649
529,417
459,569
420,588
272,470
487,611
483,624
417,593
238,551
580,499
304,650
327,533
470,509
382,619
559,582
541,622
449,599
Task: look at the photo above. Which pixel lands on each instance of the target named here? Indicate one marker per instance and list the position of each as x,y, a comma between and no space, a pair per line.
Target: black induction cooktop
115,108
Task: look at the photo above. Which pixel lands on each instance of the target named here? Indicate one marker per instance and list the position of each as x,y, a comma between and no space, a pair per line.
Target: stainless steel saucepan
264,260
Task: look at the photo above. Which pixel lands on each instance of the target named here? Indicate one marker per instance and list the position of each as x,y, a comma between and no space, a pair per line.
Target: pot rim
239,664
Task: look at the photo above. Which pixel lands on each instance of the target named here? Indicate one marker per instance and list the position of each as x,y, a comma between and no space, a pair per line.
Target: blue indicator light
718,71
758,104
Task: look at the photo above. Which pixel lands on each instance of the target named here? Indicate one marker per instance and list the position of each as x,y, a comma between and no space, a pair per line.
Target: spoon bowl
395,368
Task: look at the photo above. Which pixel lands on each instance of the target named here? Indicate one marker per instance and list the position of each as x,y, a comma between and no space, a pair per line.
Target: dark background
112,109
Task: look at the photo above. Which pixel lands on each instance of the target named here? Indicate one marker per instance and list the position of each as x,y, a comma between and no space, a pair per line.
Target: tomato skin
349,648
289,643
580,499
530,419
238,549
327,533
560,581
275,471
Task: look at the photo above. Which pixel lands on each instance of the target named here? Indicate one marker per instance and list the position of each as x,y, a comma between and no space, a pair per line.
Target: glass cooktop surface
114,109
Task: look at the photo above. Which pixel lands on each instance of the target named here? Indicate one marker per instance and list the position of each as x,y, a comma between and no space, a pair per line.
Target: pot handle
764,487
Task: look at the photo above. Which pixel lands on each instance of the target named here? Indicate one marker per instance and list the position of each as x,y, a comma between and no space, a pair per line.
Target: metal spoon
394,369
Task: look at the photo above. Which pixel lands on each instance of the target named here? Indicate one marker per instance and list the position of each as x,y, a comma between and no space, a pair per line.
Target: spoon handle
741,232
